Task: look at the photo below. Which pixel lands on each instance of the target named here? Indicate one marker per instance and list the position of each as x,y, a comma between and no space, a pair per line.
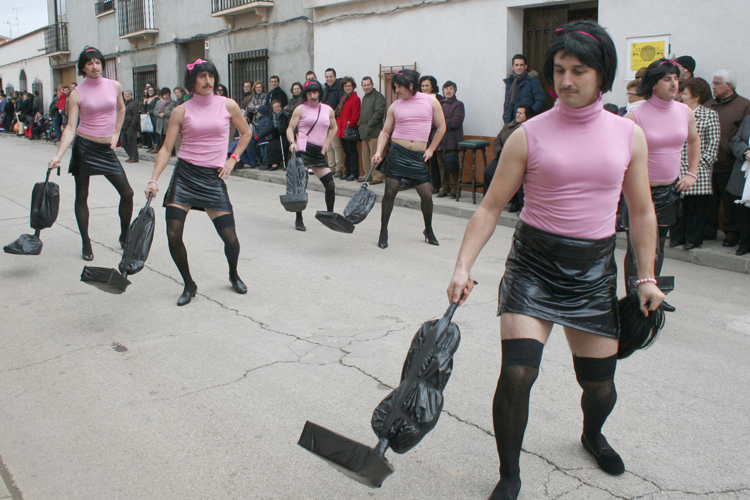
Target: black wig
87,55
406,77
655,72
199,67
588,42
312,86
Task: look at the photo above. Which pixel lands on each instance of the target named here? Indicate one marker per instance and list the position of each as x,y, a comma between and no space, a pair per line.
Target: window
110,68
141,75
104,6
36,86
251,66
386,73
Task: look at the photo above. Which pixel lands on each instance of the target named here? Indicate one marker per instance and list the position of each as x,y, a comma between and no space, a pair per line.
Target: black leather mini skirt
666,203
402,163
568,281
93,158
313,156
198,188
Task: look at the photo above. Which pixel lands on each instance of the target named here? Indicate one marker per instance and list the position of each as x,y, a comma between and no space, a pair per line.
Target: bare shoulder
118,86
232,105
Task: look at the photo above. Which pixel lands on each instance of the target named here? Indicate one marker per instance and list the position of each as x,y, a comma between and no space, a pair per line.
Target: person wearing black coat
263,135
521,88
279,143
447,152
130,127
740,144
10,115
276,93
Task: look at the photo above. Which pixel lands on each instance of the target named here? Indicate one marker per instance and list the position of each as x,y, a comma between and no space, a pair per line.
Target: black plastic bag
636,330
45,203
26,244
408,413
138,245
295,199
360,205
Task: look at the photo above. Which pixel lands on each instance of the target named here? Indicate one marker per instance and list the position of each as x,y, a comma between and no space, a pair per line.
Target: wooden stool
473,145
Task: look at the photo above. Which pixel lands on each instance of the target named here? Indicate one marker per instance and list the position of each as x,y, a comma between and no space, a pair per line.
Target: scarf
341,104
514,88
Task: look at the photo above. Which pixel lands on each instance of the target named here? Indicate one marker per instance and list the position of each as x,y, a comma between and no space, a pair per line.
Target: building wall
471,42
22,53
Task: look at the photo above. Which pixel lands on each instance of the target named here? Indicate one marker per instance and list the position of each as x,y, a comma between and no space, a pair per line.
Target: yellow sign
643,54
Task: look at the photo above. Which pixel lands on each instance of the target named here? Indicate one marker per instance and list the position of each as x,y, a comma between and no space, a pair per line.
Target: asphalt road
130,397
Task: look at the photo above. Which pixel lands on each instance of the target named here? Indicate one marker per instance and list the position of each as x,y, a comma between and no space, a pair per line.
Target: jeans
56,122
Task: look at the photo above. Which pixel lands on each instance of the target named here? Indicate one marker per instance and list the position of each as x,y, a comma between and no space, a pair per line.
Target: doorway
539,25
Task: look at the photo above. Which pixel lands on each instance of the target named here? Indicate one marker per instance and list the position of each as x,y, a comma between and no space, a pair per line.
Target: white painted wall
23,53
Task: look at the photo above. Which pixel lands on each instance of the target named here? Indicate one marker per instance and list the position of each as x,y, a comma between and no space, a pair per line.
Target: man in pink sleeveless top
198,178
99,104
573,161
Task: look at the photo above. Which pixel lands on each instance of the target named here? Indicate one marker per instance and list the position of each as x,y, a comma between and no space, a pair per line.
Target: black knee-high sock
510,407
224,225
175,226
82,211
120,182
391,189
424,191
330,185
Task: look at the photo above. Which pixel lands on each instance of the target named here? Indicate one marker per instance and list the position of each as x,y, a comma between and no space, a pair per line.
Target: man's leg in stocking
225,226
82,215
424,191
175,225
391,190
121,184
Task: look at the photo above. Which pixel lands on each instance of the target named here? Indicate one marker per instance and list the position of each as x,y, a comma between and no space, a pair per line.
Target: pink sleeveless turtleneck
205,131
665,124
576,164
98,98
306,132
413,118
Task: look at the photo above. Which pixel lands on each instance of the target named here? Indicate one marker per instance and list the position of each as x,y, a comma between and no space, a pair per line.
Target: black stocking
121,184
82,211
510,408
391,190
175,226
330,186
225,227
424,191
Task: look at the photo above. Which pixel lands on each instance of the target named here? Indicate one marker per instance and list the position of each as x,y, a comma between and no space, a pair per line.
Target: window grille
249,66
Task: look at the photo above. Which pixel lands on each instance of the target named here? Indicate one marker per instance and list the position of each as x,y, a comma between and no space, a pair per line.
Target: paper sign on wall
642,51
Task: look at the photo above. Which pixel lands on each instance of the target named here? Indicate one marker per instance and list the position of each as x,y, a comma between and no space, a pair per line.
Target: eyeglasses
716,84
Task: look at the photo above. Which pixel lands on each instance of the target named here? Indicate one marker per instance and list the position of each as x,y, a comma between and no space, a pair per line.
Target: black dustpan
45,205
133,259
335,221
405,416
354,213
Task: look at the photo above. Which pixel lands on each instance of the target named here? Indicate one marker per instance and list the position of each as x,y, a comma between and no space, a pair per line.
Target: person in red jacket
347,115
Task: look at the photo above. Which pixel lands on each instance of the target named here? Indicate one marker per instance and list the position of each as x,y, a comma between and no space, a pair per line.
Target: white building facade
24,65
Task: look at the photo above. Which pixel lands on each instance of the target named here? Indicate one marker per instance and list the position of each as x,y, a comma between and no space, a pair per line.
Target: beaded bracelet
645,280
237,158
153,182
692,175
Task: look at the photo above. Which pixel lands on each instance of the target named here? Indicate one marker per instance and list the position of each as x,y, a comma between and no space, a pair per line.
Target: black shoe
675,242
441,194
383,240
730,241
607,458
429,237
506,490
87,253
743,250
690,246
238,285
299,225
351,177
187,294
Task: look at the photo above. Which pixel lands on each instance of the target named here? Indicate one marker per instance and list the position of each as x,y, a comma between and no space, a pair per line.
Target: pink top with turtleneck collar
205,131
577,159
98,107
665,124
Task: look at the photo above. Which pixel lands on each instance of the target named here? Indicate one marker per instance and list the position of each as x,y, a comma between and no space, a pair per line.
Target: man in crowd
522,90
332,94
247,95
130,126
370,124
38,105
310,75
276,93
687,67
732,109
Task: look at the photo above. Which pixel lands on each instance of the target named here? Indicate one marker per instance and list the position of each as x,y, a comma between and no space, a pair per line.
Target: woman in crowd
523,113
447,153
279,143
163,110
738,180
153,100
143,110
295,100
259,99
407,127
690,224
222,91
180,95
347,115
667,124
198,178
573,160
99,104
315,126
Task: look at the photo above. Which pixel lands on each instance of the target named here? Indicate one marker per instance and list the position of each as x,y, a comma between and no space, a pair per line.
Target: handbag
146,125
352,134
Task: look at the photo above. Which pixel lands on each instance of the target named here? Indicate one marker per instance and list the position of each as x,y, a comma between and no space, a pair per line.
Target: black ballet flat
429,237
383,240
607,458
238,285
501,491
187,295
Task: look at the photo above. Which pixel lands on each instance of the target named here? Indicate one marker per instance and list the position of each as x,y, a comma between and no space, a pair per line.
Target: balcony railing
103,7
56,39
136,19
228,9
